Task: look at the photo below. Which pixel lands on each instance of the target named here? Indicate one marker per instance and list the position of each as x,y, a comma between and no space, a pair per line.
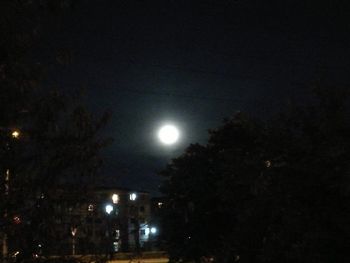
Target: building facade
112,220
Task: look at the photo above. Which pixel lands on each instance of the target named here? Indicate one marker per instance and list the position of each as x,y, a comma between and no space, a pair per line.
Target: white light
15,134
153,230
147,231
133,197
91,208
109,209
168,134
115,198
74,231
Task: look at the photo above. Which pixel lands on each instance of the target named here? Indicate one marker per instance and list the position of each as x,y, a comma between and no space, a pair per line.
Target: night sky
192,63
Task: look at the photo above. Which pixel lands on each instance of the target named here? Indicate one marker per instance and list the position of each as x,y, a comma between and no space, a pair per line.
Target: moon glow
168,134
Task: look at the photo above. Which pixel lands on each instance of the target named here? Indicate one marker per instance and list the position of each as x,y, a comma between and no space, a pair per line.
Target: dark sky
193,63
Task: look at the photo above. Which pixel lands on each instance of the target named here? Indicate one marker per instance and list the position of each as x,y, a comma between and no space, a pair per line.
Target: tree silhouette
272,191
53,157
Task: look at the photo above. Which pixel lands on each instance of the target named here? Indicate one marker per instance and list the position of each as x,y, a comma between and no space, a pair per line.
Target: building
110,220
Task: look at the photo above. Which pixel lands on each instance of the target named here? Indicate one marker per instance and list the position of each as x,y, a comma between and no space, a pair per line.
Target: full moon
168,134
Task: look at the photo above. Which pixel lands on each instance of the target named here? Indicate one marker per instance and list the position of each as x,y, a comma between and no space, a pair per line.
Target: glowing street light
153,230
150,230
15,134
108,209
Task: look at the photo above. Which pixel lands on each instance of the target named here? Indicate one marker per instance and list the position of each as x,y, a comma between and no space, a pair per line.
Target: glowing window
115,198
133,197
91,208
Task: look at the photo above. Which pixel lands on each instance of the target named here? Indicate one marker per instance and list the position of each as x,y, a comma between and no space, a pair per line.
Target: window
133,196
115,198
117,234
91,207
132,210
143,232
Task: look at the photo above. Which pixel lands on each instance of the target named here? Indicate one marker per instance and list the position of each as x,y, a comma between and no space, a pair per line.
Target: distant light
160,204
168,134
115,198
17,220
133,196
15,134
108,209
153,230
91,208
73,231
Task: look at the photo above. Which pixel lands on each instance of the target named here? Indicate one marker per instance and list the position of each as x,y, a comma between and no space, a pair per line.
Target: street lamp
109,209
153,230
15,134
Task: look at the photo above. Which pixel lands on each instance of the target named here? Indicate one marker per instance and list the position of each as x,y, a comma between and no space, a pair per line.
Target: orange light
15,134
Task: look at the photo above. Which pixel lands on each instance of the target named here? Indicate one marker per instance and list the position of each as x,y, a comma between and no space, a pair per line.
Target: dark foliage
54,158
275,191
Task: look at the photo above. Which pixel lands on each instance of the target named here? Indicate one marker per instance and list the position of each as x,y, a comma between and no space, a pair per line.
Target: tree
53,158
210,190
312,185
267,191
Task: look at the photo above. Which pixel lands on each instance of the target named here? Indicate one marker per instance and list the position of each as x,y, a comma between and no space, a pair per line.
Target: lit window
115,198
160,204
7,176
117,233
133,197
91,208
116,246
